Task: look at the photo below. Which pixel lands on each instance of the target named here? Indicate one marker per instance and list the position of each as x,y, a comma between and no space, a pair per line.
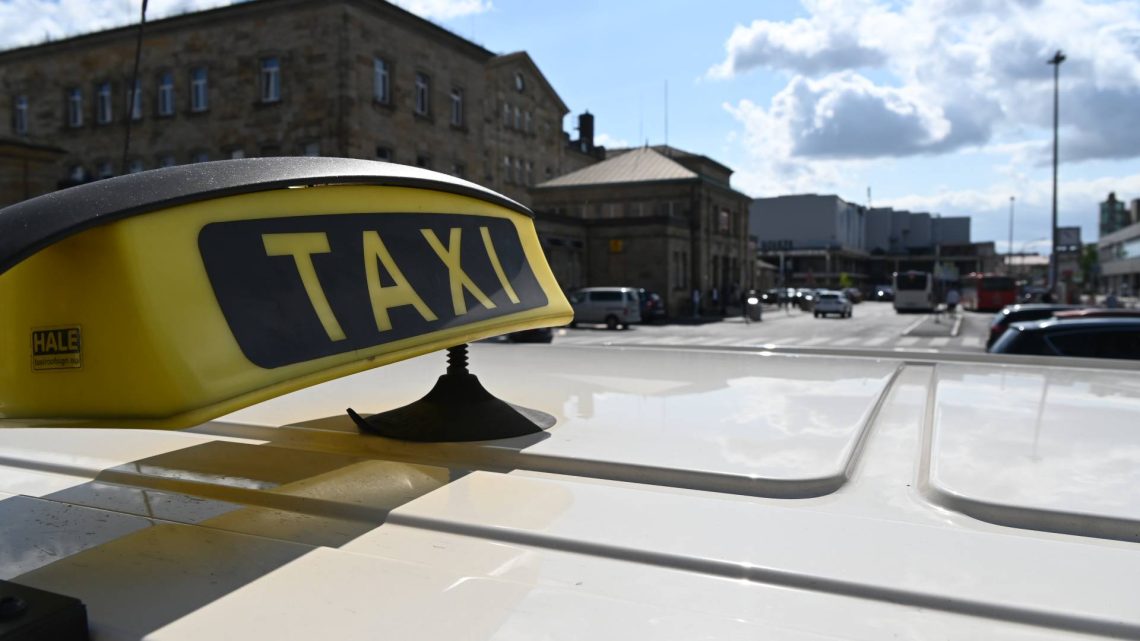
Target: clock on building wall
519,83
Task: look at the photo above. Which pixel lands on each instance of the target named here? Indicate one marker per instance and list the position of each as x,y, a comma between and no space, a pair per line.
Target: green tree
1090,266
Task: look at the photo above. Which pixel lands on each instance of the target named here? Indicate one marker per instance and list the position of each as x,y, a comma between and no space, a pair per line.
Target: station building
654,217
350,78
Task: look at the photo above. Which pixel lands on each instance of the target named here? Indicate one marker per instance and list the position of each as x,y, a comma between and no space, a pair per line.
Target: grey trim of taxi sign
31,225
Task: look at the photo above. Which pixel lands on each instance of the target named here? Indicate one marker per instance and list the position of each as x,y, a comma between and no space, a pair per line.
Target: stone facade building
26,170
351,78
653,217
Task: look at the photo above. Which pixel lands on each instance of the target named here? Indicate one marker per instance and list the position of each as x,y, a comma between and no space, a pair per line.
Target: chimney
586,132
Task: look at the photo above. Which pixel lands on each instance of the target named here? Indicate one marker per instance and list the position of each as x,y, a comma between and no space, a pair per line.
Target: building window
724,222
134,100
520,83
423,161
529,173
423,90
527,125
270,79
384,153
166,94
77,174
237,153
518,118
312,149
166,161
75,107
103,103
199,90
380,78
199,156
105,169
20,115
518,175
459,170
457,107
506,115
507,169
135,166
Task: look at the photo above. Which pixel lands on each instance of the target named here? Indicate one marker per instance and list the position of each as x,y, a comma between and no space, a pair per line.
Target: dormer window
520,84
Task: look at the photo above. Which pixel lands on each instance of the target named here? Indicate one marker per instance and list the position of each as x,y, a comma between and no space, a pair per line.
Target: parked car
1083,337
805,298
652,306
617,307
853,294
829,302
1022,312
1098,312
772,296
537,335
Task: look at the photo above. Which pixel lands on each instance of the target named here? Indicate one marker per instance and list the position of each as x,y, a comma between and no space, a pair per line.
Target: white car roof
683,493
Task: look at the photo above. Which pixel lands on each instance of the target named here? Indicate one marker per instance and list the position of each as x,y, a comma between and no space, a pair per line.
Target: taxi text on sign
294,289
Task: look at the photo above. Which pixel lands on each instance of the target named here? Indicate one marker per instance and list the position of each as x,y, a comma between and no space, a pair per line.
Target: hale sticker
57,348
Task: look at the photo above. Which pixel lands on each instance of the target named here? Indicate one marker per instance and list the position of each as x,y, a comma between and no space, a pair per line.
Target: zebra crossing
564,337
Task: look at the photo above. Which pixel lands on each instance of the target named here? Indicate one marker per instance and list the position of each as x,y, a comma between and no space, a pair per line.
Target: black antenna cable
134,88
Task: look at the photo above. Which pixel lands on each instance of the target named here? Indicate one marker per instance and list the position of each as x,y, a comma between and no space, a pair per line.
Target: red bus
988,292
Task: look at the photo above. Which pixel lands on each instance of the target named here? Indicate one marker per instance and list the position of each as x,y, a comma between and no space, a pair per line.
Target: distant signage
775,245
1068,239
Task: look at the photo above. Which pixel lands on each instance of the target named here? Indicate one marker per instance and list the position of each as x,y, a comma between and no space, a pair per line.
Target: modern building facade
653,217
1119,256
1114,215
824,241
351,78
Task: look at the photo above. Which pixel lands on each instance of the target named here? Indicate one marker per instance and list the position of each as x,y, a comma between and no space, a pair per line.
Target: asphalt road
873,325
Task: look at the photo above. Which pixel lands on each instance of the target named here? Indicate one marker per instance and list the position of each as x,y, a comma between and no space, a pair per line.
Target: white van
617,307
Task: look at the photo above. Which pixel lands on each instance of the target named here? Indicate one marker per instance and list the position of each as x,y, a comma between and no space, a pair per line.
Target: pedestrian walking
696,303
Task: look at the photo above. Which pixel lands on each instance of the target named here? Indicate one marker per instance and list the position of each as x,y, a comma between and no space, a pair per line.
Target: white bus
914,292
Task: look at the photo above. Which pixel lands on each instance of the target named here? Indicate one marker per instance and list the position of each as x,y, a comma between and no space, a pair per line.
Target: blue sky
936,105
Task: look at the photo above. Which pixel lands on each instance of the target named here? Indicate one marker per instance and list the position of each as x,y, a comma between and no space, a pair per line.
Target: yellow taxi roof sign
169,297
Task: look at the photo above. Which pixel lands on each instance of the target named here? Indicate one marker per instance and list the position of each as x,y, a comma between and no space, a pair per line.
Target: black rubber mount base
458,408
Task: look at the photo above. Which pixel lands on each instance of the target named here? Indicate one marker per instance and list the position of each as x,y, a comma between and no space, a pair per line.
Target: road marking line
818,340
845,341
910,328
939,342
972,341
877,341
957,326
907,341
722,341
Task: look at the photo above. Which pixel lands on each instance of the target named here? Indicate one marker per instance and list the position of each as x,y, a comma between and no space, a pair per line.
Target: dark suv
1084,337
1017,313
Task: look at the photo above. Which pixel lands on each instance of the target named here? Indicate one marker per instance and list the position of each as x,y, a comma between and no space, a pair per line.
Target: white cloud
29,22
444,9
947,74
826,42
989,206
606,140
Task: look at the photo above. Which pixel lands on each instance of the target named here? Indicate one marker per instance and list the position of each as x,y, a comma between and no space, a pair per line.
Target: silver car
829,302
617,307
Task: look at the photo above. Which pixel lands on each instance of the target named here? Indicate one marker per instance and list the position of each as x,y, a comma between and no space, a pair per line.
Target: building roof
210,16
673,152
525,59
639,165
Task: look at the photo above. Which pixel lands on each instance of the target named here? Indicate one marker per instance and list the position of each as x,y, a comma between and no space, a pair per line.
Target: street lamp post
1056,61
1009,248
